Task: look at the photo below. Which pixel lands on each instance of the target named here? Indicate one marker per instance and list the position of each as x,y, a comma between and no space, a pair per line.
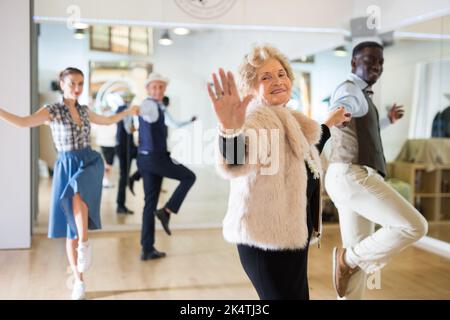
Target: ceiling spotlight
181,31
79,34
340,51
165,39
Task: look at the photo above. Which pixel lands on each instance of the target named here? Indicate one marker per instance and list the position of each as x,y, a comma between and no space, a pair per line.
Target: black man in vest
355,181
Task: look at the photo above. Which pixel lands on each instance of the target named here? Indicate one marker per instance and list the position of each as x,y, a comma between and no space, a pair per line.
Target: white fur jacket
267,202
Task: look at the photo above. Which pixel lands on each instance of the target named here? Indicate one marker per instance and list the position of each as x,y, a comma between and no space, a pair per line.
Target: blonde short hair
254,60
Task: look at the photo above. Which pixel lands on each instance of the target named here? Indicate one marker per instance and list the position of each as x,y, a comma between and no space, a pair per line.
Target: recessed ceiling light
340,52
181,31
80,25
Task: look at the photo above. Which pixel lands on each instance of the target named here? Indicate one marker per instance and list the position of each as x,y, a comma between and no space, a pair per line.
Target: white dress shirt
350,96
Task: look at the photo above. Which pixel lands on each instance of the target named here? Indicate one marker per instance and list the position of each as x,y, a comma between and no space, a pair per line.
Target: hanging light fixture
165,39
79,34
181,31
340,51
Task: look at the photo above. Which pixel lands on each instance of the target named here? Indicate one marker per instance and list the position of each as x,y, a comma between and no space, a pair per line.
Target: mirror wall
416,75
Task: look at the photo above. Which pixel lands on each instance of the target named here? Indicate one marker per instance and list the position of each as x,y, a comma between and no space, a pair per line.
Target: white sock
83,244
349,259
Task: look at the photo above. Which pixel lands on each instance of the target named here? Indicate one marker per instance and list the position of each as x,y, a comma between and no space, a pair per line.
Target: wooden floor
200,265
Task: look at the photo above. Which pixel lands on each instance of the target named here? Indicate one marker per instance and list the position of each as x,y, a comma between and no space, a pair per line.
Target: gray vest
360,142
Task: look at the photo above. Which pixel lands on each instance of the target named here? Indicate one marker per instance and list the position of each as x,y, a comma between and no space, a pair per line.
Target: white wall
292,13
190,62
399,13
327,15
327,73
15,176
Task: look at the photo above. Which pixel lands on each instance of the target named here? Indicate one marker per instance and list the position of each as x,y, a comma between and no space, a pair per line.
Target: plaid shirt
67,135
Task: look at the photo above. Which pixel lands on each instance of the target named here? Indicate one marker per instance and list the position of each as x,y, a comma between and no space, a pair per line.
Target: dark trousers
276,275
125,158
280,274
153,168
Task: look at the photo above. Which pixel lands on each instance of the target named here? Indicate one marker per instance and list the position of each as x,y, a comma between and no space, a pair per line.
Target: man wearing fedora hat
154,163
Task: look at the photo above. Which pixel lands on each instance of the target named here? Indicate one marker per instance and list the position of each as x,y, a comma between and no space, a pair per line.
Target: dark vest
370,148
153,136
360,142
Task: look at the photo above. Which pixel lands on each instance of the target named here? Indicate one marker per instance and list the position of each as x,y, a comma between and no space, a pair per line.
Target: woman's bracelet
234,133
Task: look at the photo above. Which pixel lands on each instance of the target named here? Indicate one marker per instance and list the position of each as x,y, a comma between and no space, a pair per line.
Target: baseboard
435,246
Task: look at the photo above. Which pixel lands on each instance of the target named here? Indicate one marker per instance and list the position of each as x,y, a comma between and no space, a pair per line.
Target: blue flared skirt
79,171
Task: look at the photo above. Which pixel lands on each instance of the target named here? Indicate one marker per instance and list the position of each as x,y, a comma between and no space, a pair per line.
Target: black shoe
153,254
164,218
124,210
131,181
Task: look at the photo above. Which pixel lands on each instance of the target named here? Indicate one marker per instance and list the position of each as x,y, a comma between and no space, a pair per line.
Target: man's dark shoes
123,210
152,254
164,217
131,181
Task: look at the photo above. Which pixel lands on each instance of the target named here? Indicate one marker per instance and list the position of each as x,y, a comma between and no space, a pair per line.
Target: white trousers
364,199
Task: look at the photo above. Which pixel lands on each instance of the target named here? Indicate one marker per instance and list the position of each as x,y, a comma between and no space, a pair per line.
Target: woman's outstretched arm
104,120
36,119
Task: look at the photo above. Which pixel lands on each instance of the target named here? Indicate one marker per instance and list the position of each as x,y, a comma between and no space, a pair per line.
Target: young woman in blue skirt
78,171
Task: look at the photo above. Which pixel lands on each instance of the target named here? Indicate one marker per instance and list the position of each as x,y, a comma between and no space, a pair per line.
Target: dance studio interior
122,46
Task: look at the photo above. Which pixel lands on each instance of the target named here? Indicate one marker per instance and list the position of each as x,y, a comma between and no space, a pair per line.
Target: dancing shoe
124,210
79,290
164,217
152,254
131,181
341,272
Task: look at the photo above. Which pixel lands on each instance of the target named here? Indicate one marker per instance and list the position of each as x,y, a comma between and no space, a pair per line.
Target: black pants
125,157
280,274
108,154
276,275
153,168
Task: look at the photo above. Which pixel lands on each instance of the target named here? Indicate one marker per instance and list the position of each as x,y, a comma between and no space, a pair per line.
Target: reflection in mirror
416,75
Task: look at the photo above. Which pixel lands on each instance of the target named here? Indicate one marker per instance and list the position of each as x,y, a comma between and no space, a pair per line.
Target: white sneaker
84,260
79,290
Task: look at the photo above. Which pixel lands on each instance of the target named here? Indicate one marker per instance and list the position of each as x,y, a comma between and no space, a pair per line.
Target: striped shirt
67,135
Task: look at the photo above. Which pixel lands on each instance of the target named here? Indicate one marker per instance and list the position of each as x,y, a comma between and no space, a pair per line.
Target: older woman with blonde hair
270,154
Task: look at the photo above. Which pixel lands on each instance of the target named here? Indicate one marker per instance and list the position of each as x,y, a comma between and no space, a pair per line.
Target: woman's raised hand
229,107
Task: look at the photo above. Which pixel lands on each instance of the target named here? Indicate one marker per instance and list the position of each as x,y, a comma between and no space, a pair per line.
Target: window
122,39
100,38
